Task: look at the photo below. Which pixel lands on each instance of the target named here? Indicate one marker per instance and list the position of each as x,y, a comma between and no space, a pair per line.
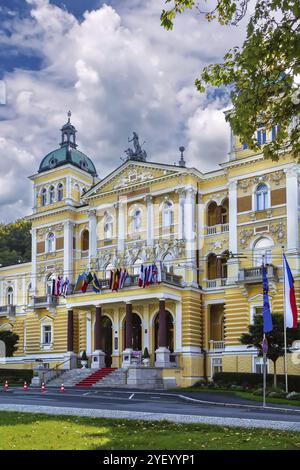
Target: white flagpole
263,347
284,326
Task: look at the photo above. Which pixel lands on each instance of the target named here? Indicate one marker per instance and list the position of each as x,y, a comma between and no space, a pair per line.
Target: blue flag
268,325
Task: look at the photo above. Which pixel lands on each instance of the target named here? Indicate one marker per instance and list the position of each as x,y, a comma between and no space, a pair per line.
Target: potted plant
84,360
146,357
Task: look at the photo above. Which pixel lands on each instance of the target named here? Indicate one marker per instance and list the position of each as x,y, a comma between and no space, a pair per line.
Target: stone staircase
69,378
117,378
95,377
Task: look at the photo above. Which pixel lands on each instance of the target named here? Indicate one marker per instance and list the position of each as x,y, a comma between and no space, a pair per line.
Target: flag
265,346
79,282
149,276
111,279
290,306
141,276
66,287
96,284
87,280
268,325
123,277
154,274
116,280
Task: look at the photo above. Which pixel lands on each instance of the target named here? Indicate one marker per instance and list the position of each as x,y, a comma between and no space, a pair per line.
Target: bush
15,376
252,380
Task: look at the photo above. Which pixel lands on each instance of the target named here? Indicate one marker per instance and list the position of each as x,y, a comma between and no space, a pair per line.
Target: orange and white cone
6,386
43,388
62,388
25,387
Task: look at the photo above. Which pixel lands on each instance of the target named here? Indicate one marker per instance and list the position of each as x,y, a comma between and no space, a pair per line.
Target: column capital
232,184
148,198
92,213
292,171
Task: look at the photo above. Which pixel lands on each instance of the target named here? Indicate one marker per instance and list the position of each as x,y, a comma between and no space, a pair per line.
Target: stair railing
56,371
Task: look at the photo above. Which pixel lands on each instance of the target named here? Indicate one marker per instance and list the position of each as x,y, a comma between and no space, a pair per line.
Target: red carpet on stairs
95,377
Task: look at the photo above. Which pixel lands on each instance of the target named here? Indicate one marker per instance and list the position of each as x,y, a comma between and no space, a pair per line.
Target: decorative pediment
133,175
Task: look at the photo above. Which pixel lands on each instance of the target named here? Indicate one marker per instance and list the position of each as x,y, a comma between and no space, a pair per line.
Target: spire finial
69,116
181,161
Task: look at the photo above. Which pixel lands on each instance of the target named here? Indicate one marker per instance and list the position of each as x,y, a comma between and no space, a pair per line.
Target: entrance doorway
170,331
106,346
136,332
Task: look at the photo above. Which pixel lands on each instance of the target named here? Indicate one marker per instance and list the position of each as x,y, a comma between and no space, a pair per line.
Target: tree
15,242
11,340
262,75
275,338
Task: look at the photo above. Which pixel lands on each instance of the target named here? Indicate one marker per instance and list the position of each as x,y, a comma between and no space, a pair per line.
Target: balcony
216,283
132,281
46,301
216,345
254,275
216,229
7,311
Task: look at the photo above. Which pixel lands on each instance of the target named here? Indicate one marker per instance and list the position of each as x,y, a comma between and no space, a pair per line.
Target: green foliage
261,74
275,338
11,340
84,356
15,376
146,354
15,242
253,380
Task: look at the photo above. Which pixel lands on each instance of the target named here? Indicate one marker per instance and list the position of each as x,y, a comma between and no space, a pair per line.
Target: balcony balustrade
215,229
216,345
45,301
7,310
214,283
254,275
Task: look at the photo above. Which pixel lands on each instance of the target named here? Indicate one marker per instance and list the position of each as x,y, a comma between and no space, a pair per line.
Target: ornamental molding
57,229
278,230
218,246
133,177
245,235
277,177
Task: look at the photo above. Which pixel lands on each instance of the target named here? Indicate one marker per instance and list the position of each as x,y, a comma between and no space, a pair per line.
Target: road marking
87,393
155,397
131,396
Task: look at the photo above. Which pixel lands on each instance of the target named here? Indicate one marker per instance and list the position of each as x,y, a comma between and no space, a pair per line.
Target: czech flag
290,307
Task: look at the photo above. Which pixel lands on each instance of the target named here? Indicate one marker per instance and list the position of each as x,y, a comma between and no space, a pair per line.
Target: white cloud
118,71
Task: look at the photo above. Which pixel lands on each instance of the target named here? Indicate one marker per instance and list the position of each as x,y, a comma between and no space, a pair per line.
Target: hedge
255,380
15,376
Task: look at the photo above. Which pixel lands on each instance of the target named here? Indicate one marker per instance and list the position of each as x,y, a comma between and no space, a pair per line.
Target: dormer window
53,162
83,164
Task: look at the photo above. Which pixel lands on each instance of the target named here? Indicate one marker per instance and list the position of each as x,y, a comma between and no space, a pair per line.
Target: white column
92,235
201,222
121,224
68,250
181,193
291,208
89,333
189,219
68,199
146,326
33,261
150,220
233,241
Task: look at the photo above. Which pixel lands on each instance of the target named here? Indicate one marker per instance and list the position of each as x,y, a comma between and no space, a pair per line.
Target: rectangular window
47,334
216,365
261,137
245,146
258,365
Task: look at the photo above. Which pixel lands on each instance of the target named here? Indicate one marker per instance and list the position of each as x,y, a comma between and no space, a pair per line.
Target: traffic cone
62,388
6,386
43,388
25,387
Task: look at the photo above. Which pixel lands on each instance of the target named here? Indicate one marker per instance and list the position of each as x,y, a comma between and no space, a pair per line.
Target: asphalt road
201,404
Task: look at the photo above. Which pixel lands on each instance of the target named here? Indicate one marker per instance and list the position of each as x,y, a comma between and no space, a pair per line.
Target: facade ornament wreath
277,177
245,234
244,185
279,231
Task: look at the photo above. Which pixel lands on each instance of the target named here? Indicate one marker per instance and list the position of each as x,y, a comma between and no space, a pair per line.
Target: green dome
68,153
64,156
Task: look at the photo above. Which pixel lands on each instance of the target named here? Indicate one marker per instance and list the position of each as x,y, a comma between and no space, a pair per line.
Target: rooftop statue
137,154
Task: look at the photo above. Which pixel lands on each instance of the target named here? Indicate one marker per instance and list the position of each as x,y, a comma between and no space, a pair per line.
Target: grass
26,431
247,395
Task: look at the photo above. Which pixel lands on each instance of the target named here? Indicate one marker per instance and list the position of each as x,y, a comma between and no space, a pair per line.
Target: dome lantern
68,134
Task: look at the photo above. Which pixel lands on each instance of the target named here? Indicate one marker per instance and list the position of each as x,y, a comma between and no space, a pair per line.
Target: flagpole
284,326
263,347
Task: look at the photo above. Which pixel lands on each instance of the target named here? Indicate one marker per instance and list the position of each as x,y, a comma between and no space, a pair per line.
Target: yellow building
206,233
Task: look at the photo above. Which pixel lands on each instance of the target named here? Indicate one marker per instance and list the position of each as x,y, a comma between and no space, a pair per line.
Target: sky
118,71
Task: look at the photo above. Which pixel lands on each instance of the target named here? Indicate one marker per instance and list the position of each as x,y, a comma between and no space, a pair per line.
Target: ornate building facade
207,232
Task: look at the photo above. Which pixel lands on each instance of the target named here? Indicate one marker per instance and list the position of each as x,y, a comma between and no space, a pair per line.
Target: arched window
167,214
85,240
212,214
262,199
10,296
108,228
28,292
224,212
60,192
137,220
51,195
212,266
262,251
137,266
44,196
50,243
49,284
109,268
168,261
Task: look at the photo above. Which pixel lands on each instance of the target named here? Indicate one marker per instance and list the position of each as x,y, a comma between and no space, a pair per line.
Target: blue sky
118,70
